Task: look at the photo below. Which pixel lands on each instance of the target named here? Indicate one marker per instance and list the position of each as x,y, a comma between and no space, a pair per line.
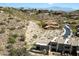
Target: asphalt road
67,31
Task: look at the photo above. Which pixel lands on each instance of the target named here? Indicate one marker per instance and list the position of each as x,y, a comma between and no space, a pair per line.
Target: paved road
67,31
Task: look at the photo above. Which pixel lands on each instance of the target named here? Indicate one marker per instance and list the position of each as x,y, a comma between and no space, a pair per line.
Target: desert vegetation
14,23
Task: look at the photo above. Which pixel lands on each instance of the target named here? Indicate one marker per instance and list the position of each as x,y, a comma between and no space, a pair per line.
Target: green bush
12,52
74,30
15,35
12,38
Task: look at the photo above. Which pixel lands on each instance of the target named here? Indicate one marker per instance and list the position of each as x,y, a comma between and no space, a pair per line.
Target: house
57,45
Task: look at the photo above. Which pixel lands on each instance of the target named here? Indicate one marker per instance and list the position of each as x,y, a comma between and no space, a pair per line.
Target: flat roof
43,41
72,41
58,40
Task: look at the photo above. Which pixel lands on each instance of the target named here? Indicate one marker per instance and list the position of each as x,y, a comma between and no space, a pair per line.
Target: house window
53,44
37,47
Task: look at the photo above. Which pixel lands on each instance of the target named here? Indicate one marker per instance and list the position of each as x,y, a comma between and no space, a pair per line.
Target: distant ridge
60,8
55,8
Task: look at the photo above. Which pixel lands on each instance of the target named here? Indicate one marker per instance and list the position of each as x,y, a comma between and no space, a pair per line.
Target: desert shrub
12,51
12,38
9,46
2,31
2,23
15,35
1,48
35,36
19,52
12,28
41,23
18,20
10,17
22,38
73,22
8,10
74,30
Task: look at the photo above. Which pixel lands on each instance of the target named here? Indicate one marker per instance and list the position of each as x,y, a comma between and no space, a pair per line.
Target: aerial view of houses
39,29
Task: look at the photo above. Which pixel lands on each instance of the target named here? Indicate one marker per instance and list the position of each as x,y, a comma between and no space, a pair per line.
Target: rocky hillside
21,28
12,29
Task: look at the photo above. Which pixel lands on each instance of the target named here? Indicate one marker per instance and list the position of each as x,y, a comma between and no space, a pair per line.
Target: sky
41,5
